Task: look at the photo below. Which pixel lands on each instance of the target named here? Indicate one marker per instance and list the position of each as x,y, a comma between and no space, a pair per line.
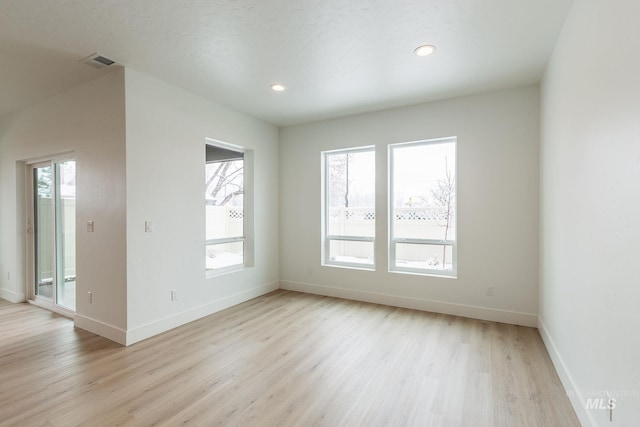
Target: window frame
247,213
328,238
394,241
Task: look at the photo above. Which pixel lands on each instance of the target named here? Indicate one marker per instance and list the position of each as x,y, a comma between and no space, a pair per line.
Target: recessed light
278,87
424,50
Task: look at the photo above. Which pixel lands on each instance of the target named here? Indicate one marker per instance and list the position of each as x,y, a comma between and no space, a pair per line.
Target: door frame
32,298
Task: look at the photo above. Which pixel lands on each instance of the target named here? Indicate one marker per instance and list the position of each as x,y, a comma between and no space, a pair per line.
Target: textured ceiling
335,57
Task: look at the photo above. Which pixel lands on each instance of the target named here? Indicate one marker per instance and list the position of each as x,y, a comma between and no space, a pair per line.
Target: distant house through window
349,215
225,202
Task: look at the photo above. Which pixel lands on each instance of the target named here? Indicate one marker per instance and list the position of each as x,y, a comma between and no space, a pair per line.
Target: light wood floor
284,359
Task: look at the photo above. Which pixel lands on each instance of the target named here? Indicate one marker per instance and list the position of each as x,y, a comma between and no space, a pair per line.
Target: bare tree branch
445,196
222,179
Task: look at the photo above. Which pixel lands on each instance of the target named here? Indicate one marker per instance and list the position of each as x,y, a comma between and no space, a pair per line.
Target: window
349,207
226,195
423,207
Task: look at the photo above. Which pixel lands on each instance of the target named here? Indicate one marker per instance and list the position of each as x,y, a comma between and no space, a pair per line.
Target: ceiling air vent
98,61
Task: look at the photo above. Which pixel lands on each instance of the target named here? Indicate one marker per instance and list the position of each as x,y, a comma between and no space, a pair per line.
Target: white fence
410,222
46,235
224,221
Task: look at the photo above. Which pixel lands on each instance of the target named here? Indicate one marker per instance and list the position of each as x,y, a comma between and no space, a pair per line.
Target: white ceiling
336,57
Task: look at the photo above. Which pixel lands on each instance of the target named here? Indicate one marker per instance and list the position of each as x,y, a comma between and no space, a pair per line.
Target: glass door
65,206
54,234
43,229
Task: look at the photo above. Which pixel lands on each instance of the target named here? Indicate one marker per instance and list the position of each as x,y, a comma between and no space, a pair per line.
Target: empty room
327,213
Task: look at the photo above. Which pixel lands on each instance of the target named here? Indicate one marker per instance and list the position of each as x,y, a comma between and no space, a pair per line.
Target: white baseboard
12,296
575,397
474,312
154,328
100,328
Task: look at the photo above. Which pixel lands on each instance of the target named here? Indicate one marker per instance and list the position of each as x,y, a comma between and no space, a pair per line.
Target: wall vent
98,61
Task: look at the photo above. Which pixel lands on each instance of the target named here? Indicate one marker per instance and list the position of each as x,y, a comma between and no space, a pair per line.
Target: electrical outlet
490,291
174,295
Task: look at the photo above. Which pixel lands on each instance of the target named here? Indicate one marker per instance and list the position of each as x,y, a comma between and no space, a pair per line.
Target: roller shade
217,154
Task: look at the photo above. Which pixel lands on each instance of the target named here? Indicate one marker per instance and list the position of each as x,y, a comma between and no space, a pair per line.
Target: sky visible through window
418,170
351,179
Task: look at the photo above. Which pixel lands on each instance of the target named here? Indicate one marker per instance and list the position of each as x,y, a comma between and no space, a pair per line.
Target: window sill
224,270
429,273
362,267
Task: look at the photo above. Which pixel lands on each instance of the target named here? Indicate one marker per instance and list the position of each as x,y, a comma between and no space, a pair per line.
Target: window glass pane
351,191
431,257
224,255
424,191
65,206
351,252
224,195
44,230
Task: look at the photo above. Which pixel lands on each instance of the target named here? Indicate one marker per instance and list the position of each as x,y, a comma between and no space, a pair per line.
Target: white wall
142,163
89,121
498,144
166,131
590,208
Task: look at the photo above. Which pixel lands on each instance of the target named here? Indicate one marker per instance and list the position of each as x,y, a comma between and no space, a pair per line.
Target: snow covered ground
223,259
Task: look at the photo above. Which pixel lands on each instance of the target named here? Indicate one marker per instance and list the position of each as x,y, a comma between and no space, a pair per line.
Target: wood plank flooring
284,359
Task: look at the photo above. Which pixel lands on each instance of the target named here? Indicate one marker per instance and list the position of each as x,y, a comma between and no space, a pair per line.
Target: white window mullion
352,238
